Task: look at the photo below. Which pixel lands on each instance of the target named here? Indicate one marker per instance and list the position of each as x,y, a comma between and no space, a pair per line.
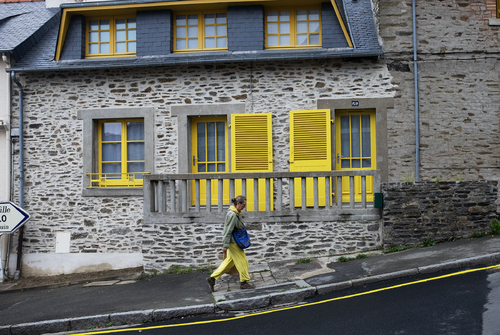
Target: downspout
415,73
5,238
21,174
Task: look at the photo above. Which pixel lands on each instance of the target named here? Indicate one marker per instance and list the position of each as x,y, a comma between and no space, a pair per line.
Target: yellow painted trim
63,29
339,17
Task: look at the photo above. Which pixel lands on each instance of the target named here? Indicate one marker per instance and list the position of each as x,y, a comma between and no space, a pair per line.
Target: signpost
11,218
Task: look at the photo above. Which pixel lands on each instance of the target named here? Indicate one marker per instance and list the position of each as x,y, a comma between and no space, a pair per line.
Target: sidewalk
122,301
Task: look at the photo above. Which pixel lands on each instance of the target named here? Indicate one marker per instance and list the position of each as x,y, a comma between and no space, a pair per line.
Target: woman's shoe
246,285
211,283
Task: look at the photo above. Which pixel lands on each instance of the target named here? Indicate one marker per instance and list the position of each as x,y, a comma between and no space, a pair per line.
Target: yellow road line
293,307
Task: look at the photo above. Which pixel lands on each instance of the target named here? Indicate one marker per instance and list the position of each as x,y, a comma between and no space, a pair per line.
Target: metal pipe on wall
415,74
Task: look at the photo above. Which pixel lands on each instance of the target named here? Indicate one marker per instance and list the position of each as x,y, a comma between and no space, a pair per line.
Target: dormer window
112,36
196,31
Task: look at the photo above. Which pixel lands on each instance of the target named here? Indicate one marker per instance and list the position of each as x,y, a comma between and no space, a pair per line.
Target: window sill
494,22
113,192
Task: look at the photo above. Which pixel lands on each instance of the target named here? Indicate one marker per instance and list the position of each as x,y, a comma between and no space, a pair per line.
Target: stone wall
414,212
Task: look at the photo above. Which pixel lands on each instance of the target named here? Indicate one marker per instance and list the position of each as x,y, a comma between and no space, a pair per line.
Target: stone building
305,107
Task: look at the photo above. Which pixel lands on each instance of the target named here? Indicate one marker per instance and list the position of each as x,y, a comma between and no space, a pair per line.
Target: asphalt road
458,302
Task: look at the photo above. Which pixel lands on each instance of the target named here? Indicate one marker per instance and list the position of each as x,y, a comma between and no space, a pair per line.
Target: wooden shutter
251,143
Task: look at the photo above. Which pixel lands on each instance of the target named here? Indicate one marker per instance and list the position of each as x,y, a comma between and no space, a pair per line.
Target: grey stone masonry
414,212
245,28
332,33
74,46
154,32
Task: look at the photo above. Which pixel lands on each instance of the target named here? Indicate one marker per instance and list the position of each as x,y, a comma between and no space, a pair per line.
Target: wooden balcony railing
176,197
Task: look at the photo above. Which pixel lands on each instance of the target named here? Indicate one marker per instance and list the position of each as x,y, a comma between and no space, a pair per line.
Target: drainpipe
417,122
21,174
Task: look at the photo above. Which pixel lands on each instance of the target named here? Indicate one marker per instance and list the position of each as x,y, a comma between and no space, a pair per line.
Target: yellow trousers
235,257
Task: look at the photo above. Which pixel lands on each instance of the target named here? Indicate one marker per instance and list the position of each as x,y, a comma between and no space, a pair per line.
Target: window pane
302,15
284,15
211,167
104,36
135,151
284,39
121,47
193,19
93,25
202,168
272,16
120,24
302,39
104,24
284,28
221,167
120,35
356,164
94,48
131,23
136,167
221,42
221,18
193,43
221,141
221,30
135,131
355,137
112,168
131,35
366,136
272,40
344,136
314,39
112,131
272,28
209,31
346,164
210,42
314,27
302,27
111,152
94,36
314,15
105,48
132,46
211,142
209,18
181,32
367,163
201,142
180,20
180,44
192,31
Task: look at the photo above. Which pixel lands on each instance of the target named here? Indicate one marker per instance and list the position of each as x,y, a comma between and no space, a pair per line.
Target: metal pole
415,72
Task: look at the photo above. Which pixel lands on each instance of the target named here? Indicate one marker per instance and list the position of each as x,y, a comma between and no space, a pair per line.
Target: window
114,36
293,28
200,31
121,154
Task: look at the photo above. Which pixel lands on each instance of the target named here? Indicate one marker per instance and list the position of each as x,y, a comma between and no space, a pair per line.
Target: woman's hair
240,199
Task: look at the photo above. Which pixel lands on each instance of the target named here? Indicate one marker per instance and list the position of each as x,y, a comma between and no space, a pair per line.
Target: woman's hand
224,253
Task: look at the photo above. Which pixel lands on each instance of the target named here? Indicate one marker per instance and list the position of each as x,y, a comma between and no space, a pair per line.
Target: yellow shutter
310,149
252,151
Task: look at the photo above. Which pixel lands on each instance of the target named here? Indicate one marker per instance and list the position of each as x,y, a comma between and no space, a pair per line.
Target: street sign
11,217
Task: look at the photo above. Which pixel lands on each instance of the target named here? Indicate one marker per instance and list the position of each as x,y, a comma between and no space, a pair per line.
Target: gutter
415,74
21,173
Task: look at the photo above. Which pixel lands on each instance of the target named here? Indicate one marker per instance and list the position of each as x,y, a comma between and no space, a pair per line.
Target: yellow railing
128,179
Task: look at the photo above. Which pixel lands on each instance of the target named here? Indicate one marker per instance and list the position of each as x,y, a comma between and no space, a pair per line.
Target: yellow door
356,148
310,150
252,151
209,151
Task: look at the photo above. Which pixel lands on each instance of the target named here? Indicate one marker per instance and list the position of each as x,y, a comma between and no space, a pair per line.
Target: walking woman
232,254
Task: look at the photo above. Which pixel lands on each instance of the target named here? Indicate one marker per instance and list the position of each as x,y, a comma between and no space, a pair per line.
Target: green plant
220,300
109,324
427,243
495,227
300,287
393,248
343,259
282,290
303,261
155,272
479,235
361,256
408,177
459,177
436,179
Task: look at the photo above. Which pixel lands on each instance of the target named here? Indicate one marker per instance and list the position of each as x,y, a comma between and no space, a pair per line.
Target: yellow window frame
201,31
112,37
125,177
292,28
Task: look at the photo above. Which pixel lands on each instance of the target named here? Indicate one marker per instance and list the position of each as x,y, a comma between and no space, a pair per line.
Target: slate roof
357,13
23,24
